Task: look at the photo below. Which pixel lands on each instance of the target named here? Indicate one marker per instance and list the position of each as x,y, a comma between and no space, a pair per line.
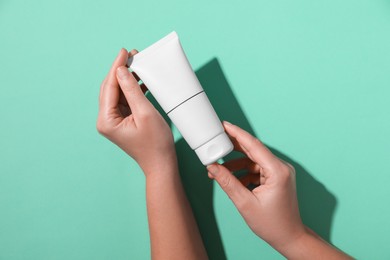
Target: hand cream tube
165,70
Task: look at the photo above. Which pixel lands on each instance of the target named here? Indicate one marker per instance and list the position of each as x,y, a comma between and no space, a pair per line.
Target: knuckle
291,168
257,141
102,128
254,141
103,83
225,183
286,171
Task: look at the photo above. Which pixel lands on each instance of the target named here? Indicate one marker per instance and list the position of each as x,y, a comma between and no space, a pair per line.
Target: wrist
288,246
309,245
293,249
160,166
164,177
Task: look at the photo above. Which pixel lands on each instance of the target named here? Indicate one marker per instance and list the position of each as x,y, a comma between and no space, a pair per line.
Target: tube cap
214,149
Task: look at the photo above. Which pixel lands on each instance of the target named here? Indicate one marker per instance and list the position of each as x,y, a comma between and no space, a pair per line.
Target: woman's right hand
271,209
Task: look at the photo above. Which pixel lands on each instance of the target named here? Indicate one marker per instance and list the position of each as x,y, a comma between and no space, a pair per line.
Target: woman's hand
128,119
271,209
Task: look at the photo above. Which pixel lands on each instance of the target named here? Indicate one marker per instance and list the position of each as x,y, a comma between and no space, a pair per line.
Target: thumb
132,91
237,192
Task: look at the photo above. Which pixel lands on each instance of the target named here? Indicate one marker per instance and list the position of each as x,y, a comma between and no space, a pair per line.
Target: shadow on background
316,203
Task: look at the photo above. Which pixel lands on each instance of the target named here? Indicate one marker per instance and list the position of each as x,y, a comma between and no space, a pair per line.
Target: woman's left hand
128,119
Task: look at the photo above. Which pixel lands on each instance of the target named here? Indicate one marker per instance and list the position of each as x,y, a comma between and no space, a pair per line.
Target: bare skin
271,209
128,119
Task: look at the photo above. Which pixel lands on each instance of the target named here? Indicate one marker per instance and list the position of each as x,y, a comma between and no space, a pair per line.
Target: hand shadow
316,203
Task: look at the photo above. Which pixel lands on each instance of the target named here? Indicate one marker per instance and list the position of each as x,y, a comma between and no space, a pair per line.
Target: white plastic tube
165,70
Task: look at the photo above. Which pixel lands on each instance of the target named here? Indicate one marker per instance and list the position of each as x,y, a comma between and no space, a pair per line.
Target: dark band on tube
184,102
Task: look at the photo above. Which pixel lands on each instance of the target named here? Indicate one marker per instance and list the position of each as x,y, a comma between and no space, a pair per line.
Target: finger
122,98
252,146
120,60
110,89
132,53
262,179
239,194
101,90
143,87
237,146
135,76
136,99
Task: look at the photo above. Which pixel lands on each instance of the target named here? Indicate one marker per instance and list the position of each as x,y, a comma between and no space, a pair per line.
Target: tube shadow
316,203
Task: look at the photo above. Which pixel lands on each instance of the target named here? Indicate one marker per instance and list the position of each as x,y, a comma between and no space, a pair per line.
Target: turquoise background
311,78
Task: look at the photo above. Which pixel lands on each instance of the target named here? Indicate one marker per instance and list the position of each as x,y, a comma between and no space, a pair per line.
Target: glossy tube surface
165,70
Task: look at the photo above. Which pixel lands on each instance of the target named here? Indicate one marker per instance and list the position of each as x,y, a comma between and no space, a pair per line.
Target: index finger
109,91
251,146
120,60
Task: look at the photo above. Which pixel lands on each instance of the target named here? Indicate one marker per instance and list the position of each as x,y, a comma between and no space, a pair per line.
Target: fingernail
227,123
213,169
122,72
